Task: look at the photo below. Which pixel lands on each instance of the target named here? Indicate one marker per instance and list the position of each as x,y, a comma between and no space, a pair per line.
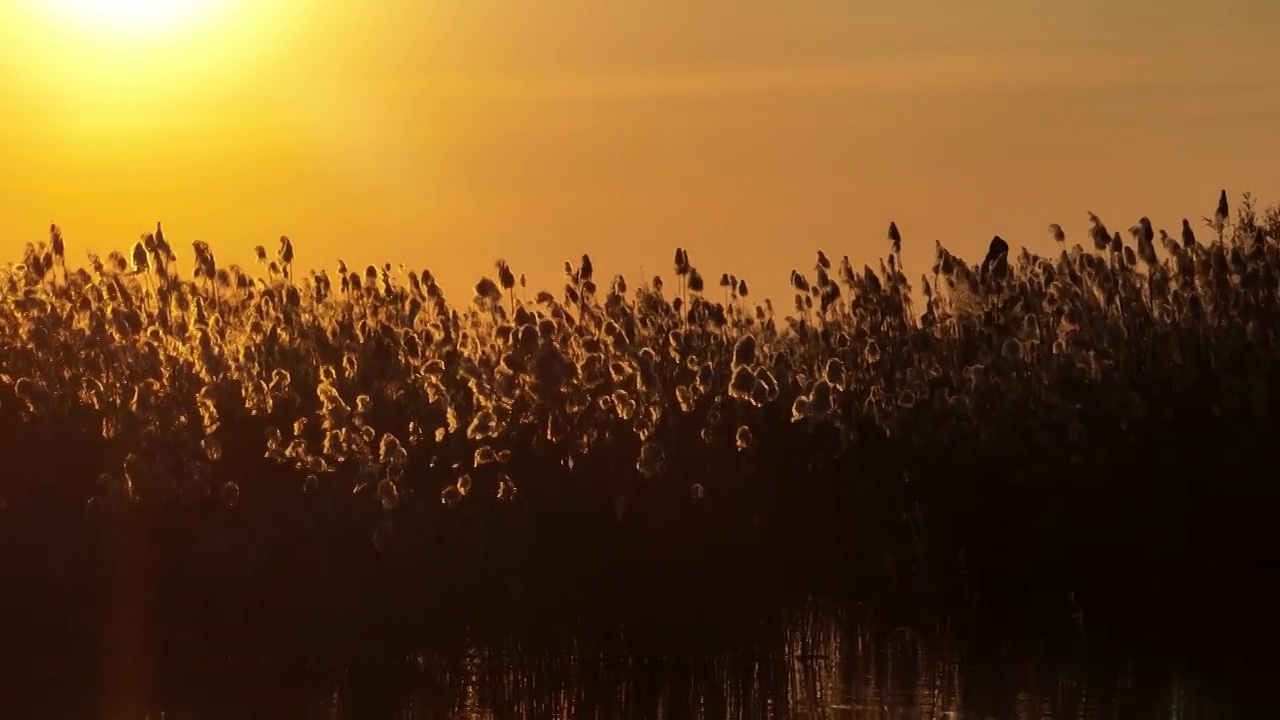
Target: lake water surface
813,664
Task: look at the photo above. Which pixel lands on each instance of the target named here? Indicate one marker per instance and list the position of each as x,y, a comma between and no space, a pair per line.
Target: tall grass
226,446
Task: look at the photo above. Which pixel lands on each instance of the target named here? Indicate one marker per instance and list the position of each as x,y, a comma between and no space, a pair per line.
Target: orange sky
448,133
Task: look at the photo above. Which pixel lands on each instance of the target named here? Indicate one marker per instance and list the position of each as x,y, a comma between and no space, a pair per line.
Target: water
813,664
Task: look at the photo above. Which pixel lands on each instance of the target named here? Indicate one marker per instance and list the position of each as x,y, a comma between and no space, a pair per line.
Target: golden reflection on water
826,671
810,664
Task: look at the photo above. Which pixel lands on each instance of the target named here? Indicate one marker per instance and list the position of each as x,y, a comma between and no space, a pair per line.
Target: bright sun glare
126,53
129,16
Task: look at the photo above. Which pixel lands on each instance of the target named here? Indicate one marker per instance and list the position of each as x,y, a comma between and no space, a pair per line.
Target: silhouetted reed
278,452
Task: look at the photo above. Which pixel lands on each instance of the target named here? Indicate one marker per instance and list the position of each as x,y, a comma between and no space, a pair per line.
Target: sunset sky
448,133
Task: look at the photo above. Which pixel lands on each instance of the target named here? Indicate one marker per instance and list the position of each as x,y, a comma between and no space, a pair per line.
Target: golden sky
448,133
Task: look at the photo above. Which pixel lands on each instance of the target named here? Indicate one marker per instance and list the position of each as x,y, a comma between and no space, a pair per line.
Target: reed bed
224,447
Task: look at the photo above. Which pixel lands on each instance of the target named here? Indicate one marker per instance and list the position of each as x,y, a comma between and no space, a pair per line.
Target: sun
129,17
125,53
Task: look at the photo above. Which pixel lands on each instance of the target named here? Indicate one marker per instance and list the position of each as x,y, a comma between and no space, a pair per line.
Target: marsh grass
342,453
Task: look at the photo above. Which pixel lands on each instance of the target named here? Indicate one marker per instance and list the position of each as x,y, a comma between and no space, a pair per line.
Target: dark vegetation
204,457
